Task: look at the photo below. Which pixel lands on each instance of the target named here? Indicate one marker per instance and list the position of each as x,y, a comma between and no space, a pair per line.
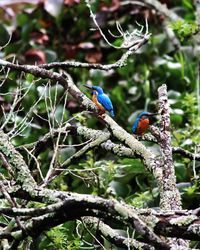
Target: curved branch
82,205
186,153
113,236
118,64
181,223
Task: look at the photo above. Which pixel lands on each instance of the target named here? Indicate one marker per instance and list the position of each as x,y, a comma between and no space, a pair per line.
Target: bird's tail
112,113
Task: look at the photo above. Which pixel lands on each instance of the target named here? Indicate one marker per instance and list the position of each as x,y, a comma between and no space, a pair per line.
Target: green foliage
67,35
4,35
58,238
141,200
184,28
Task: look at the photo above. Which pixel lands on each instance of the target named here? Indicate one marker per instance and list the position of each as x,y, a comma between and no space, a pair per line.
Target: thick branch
80,205
88,133
182,223
113,236
170,197
15,160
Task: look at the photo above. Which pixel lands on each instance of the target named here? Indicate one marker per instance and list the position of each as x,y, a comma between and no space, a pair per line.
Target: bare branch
36,161
170,197
113,236
77,155
186,153
121,62
181,223
129,39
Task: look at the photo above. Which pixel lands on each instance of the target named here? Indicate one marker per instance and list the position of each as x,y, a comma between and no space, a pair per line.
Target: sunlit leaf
53,7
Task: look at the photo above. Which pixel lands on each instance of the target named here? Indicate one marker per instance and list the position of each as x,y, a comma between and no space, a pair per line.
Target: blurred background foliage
47,31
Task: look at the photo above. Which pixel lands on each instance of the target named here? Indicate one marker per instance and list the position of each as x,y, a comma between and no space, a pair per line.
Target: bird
141,123
101,100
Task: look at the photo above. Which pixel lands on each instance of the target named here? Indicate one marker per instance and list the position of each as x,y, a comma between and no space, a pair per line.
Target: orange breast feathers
143,125
99,106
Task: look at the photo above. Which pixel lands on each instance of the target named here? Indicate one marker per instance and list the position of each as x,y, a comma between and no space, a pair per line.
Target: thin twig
36,161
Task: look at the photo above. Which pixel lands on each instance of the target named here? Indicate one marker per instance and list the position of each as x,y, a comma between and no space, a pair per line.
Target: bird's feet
101,114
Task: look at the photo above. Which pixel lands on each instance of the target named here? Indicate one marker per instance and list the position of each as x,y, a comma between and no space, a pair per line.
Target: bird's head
98,89
146,115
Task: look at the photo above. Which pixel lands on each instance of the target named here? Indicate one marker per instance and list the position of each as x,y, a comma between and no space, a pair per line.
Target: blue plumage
104,100
136,123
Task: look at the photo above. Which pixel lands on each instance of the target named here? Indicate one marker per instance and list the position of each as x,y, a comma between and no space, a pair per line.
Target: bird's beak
152,114
88,86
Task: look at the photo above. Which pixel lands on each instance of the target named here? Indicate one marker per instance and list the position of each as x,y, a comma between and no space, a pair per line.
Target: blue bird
141,123
101,100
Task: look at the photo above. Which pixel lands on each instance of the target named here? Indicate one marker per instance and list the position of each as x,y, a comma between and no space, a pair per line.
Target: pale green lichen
170,199
183,220
18,164
150,220
87,103
107,231
121,210
47,196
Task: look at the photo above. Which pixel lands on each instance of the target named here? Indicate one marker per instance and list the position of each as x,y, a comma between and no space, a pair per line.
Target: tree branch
138,148
17,163
162,8
170,196
118,64
81,205
113,236
181,223
186,153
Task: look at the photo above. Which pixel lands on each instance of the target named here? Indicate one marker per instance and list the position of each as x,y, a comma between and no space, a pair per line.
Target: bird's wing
135,125
105,102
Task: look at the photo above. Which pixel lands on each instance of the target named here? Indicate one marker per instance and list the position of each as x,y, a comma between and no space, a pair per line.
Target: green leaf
29,77
27,28
4,35
184,28
22,19
188,4
53,7
118,188
51,56
65,153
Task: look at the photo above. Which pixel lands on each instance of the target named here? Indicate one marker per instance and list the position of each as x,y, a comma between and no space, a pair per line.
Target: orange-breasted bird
101,100
141,123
